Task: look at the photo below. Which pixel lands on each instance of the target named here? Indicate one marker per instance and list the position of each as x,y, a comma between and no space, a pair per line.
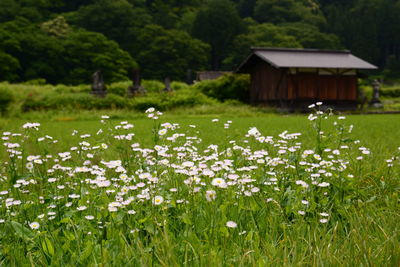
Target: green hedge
151,86
226,87
6,98
27,97
53,101
168,101
76,101
390,92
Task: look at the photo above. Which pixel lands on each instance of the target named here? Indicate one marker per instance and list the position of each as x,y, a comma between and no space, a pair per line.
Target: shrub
145,102
35,82
119,88
226,87
153,86
176,86
187,98
48,97
390,92
74,101
61,88
167,101
111,101
6,98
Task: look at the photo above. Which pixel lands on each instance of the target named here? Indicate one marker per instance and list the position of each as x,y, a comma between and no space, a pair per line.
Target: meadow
178,189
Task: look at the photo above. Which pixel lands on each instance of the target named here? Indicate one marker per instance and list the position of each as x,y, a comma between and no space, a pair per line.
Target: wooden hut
294,78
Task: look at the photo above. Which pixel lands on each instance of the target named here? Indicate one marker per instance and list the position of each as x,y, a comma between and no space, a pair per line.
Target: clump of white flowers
111,177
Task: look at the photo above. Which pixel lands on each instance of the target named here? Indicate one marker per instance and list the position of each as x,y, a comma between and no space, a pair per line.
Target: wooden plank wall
265,81
271,84
322,87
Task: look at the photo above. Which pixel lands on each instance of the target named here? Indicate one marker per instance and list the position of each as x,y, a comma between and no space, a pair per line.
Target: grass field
256,197
379,131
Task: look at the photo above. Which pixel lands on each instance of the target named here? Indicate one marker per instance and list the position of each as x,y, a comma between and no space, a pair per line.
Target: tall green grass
256,197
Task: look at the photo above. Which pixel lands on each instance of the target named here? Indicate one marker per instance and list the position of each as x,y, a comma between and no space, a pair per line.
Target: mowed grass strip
378,132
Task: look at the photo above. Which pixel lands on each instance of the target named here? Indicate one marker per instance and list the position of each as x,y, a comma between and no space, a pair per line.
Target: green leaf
86,252
69,235
22,231
150,227
48,246
249,236
224,231
120,217
186,219
143,220
65,220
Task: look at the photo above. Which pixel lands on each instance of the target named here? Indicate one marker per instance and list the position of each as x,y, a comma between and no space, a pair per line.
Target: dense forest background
65,41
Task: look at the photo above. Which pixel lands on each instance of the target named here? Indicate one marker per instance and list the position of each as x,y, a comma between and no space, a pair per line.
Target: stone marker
98,86
167,82
375,101
189,76
136,88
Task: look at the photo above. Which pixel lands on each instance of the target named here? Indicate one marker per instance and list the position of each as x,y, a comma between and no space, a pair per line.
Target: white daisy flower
231,224
34,225
157,200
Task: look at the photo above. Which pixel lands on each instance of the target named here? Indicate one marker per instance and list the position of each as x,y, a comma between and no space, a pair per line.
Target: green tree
170,53
186,20
8,10
280,11
262,35
164,14
169,13
309,36
118,20
9,67
246,8
60,6
27,52
388,36
37,54
217,24
86,52
56,27
40,55
290,35
33,10
358,27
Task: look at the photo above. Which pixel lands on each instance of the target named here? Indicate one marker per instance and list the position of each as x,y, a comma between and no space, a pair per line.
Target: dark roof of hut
210,75
307,58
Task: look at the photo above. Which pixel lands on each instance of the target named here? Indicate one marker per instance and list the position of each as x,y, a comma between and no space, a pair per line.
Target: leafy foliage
9,65
217,25
6,98
57,27
87,52
368,28
262,35
288,35
393,92
226,87
170,53
120,20
280,11
20,98
70,56
30,29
